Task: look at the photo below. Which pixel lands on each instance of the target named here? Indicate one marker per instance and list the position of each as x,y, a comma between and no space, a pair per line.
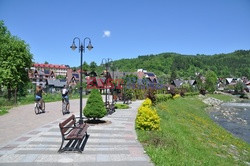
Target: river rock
212,101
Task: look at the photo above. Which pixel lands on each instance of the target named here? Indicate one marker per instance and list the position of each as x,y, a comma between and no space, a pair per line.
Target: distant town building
57,69
141,73
73,77
39,74
54,85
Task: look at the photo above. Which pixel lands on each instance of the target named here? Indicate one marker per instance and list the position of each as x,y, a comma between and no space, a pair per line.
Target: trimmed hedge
163,97
95,106
192,93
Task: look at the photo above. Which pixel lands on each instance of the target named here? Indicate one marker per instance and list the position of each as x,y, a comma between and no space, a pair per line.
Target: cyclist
65,92
39,93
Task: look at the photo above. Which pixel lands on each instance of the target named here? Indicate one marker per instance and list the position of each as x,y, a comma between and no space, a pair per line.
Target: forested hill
236,64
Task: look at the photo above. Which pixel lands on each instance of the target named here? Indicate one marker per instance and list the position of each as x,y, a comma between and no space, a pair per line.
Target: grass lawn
121,106
225,98
189,137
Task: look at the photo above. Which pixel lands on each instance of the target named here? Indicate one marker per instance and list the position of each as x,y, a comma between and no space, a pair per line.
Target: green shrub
239,88
95,107
128,94
139,94
192,93
147,103
6,102
176,96
163,97
3,111
147,119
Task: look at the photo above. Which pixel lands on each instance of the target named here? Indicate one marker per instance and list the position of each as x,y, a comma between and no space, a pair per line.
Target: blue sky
127,28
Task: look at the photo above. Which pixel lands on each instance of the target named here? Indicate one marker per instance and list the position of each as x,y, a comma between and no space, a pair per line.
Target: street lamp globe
89,47
73,47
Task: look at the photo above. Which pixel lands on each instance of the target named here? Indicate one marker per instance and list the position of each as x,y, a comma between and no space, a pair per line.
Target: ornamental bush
147,103
95,106
147,117
176,96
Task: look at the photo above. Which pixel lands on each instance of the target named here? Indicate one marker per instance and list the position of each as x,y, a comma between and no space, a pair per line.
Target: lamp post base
80,121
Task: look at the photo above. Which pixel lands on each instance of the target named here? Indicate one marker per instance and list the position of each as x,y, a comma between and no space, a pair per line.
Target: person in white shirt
65,92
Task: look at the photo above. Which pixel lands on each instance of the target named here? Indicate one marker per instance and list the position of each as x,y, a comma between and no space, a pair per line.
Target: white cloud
106,34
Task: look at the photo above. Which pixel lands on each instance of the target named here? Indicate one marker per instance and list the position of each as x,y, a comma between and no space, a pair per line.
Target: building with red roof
57,69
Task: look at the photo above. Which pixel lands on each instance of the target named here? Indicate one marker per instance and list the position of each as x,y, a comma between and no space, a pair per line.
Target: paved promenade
33,143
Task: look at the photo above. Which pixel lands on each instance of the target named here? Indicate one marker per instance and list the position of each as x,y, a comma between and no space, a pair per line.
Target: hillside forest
172,65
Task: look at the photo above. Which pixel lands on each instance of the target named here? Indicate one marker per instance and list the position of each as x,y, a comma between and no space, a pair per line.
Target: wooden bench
74,133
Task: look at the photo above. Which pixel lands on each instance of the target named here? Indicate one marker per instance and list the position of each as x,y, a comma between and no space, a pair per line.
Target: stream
234,117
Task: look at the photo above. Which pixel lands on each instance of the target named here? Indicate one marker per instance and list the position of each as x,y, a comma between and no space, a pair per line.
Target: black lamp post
106,62
113,76
81,50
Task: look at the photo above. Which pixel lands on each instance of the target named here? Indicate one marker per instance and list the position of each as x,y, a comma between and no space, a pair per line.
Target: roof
50,66
191,82
120,74
76,75
56,82
178,83
150,74
247,83
229,80
99,82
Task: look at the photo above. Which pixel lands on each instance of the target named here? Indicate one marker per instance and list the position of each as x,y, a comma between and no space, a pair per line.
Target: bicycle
39,107
65,107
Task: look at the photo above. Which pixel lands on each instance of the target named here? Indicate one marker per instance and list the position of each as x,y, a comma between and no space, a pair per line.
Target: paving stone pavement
110,144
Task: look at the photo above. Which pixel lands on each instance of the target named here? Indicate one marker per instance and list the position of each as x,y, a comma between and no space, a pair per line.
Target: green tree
46,62
187,87
85,66
239,87
200,84
95,106
173,75
23,90
15,60
211,80
93,66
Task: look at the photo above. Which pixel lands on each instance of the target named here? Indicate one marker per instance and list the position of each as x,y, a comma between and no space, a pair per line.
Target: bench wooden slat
68,126
67,120
78,133
72,131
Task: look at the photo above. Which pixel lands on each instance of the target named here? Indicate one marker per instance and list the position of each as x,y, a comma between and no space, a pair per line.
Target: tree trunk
9,93
16,96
